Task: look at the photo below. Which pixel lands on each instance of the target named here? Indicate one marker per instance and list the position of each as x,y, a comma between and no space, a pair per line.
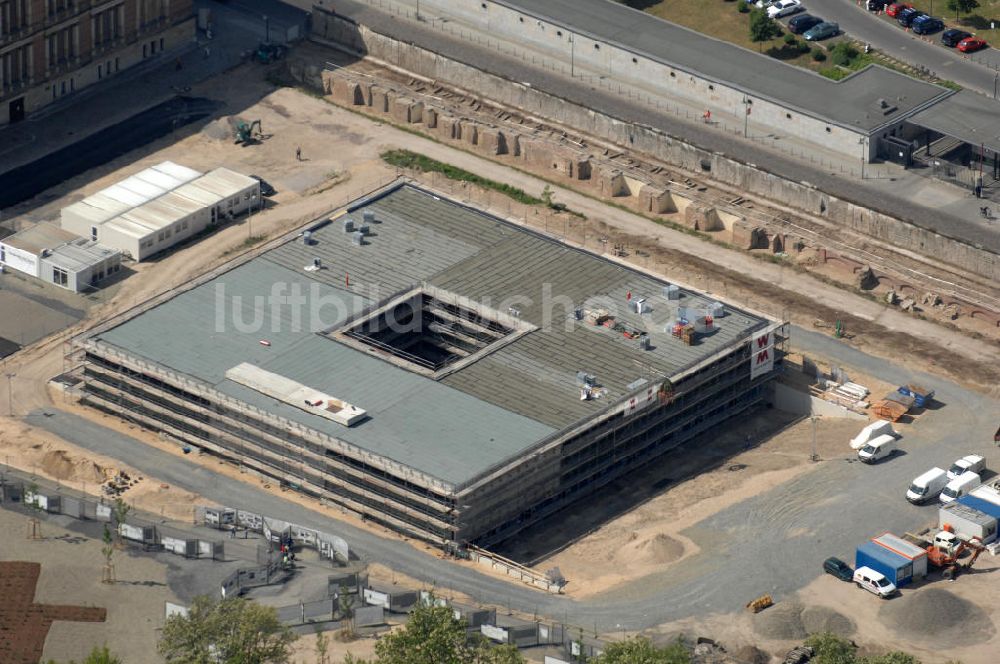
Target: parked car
880,448
925,25
838,568
876,5
927,486
893,10
953,36
906,17
874,582
803,22
784,8
970,44
821,31
970,463
265,188
960,486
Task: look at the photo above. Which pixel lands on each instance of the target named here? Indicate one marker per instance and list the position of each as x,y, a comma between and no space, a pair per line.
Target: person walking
298,154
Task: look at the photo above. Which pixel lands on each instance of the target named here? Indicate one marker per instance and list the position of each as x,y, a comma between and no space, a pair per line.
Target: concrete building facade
161,206
849,116
432,368
57,256
50,49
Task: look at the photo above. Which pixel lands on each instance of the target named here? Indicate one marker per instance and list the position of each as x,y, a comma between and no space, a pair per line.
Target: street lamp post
267,30
746,116
572,56
10,395
253,199
864,157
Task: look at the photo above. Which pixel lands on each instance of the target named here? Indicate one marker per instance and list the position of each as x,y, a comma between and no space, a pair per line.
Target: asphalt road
890,38
889,198
773,542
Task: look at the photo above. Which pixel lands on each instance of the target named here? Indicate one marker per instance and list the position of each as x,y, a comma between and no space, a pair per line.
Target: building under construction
436,369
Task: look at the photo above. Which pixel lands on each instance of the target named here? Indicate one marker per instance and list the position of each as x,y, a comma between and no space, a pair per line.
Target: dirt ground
71,575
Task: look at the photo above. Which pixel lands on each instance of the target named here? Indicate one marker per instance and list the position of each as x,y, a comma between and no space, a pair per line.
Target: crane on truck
947,558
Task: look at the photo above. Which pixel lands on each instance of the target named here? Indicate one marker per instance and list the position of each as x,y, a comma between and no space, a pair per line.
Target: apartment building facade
53,48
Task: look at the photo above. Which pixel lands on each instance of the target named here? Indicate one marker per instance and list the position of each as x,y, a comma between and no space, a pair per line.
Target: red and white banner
761,354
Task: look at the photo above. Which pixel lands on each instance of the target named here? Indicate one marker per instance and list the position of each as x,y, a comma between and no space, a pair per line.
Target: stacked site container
908,550
970,516
898,569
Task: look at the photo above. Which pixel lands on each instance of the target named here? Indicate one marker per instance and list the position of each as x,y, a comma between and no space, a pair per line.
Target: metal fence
231,519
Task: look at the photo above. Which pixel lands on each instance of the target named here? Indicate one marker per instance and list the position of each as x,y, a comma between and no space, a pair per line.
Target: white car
874,582
784,8
762,4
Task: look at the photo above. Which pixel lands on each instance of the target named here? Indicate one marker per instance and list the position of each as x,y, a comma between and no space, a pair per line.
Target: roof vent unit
717,310
584,379
317,263
704,324
882,103
369,217
307,238
364,229
514,311
578,314
358,238
644,342
672,292
348,225
638,305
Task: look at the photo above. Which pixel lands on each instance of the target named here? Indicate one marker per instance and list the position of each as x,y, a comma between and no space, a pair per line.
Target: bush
790,39
843,54
742,7
802,46
818,54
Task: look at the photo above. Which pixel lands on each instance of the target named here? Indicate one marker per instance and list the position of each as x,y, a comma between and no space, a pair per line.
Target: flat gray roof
483,413
80,255
39,237
852,102
967,116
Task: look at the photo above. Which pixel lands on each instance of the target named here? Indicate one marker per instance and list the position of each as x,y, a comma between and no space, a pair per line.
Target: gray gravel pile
781,622
817,619
937,615
218,129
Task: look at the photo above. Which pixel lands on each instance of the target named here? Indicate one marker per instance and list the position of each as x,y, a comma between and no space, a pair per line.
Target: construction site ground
763,527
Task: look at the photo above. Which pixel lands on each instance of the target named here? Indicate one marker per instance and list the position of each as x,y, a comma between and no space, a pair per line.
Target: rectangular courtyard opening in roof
431,331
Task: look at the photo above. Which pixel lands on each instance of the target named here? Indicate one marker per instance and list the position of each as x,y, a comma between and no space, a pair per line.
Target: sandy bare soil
71,574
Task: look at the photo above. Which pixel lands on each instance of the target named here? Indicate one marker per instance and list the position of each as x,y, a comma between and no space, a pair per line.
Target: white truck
971,463
959,487
879,448
927,486
871,432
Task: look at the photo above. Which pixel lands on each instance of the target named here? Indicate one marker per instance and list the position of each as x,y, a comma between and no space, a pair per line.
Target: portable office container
897,568
908,550
968,521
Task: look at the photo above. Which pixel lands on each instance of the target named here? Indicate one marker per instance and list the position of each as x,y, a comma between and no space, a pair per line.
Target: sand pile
218,129
781,622
937,615
817,619
791,620
657,550
61,466
751,655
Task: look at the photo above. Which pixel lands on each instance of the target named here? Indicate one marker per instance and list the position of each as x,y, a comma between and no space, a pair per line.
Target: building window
59,276
161,43
520,19
673,75
144,50
100,68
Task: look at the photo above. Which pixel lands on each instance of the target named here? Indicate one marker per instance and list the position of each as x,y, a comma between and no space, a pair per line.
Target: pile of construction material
119,484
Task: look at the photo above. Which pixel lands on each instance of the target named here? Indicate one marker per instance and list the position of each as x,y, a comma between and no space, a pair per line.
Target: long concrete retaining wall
333,29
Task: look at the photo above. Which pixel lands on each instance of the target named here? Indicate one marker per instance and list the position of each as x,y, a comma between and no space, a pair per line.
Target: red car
970,44
896,7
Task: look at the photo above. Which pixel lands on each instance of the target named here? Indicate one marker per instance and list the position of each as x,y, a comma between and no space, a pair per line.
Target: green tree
120,509
894,657
762,27
962,6
97,656
640,650
434,636
831,649
233,631
322,648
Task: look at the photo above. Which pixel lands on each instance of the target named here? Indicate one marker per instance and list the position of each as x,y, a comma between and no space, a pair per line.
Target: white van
871,432
959,486
972,463
927,486
879,448
874,582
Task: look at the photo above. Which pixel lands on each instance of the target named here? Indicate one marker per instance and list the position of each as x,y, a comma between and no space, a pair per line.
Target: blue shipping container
921,396
895,567
984,506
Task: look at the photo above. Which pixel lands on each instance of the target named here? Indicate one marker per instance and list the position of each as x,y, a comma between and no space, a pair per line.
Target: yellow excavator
245,134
